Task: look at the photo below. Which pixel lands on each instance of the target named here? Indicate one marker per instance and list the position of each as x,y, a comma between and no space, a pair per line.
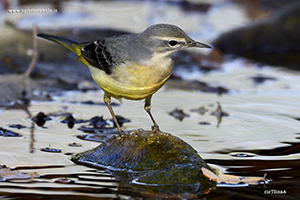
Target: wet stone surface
142,161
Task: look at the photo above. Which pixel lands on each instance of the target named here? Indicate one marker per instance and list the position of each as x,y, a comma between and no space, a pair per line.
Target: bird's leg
155,127
107,102
147,107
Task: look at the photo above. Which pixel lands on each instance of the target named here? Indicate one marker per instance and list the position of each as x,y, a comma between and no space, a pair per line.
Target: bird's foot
124,134
158,132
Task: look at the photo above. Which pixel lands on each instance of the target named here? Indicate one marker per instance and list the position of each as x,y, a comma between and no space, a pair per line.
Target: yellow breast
132,81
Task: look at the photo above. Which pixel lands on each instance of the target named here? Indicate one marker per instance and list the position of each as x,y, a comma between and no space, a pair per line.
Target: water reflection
31,143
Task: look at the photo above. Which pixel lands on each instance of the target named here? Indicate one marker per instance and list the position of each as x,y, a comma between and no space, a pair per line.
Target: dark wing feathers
97,55
104,57
88,52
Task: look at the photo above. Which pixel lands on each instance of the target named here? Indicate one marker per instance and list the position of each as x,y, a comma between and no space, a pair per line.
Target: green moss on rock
171,161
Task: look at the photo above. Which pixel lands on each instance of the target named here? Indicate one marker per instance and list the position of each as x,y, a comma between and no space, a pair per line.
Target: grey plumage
109,52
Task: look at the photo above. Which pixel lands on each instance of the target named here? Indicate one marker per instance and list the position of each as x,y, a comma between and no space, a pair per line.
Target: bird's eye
173,43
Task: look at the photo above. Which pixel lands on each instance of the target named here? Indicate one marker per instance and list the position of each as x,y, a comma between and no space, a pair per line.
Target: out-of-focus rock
275,41
259,9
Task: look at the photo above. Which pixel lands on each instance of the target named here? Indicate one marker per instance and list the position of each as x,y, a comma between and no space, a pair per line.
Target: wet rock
65,181
98,121
69,120
10,174
98,125
178,114
8,133
51,150
274,41
204,123
40,119
260,79
18,126
74,144
121,120
171,165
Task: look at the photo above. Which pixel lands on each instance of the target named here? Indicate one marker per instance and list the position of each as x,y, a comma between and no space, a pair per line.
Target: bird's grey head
167,38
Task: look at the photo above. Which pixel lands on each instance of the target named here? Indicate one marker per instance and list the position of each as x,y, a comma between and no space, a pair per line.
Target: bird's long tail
67,43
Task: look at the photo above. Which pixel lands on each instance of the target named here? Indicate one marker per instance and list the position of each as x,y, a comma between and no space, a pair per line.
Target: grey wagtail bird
131,66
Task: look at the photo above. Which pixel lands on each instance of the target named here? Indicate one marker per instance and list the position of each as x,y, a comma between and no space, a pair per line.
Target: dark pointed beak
199,45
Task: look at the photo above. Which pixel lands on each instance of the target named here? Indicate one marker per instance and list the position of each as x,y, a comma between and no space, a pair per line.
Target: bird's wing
97,55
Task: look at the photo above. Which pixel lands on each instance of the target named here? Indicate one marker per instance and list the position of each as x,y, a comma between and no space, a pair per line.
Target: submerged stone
164,166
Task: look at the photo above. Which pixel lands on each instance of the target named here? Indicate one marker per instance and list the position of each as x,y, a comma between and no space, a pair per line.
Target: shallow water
260,135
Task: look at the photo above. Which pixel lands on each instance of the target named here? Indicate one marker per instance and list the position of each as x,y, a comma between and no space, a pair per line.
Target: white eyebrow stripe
171,38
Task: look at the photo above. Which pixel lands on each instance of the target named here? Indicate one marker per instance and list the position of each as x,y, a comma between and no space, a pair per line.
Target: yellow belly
132,81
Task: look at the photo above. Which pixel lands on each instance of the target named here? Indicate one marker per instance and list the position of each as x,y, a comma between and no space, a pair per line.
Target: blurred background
252,71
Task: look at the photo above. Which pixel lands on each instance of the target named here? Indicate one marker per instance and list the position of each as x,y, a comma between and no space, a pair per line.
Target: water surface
260,135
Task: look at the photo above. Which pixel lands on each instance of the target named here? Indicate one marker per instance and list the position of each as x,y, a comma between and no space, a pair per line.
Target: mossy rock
144,161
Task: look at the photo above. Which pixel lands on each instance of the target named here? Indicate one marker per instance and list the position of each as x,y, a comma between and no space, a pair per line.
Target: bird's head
167,39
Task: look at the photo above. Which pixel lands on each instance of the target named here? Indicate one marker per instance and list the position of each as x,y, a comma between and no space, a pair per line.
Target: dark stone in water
18,126
51,150
171,165
98,121
121,120
74,144
69,120
8,133
204,123
260,79
178,114
40,119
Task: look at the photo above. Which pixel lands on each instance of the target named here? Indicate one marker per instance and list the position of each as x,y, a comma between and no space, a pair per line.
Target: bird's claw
124,134
157,131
